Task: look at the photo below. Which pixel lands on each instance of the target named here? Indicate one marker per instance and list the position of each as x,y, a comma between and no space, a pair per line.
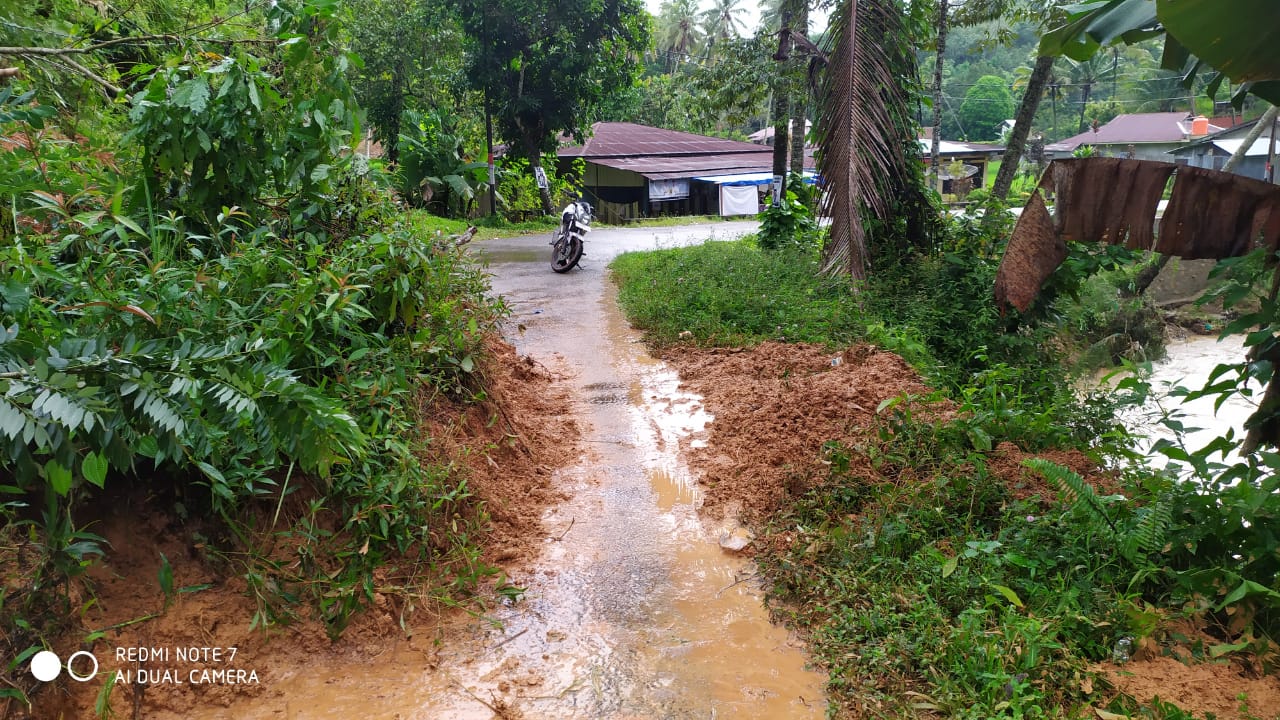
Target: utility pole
488,125
1271,154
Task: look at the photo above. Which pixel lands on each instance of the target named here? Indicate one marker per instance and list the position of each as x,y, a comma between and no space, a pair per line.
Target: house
1145,136
975,157
1213,150
636,171
764,136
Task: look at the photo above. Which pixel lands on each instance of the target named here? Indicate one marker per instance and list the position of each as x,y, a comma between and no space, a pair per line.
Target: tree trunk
1267,120
780,143
1145,277
800,92
1022,126
935,141
535,164
393,119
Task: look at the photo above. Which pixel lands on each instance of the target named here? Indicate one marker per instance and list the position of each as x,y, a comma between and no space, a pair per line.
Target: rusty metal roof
619,139
1134,128
682,166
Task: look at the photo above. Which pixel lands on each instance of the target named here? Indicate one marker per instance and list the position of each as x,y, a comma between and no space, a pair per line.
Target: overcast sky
750,19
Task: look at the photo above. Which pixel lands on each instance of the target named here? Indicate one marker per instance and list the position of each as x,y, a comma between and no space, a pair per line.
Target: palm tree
864,130
722,21
678,30
771,15
1157,91
1084,75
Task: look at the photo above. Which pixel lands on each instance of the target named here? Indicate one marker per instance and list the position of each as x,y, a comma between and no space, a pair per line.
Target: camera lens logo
46,666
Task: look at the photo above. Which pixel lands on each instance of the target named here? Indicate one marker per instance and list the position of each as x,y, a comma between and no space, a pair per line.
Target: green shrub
788,224
226,362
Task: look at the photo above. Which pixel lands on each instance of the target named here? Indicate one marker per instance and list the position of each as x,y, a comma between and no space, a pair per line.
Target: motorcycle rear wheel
565,253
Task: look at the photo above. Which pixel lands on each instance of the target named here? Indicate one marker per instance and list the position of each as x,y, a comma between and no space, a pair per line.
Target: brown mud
508,445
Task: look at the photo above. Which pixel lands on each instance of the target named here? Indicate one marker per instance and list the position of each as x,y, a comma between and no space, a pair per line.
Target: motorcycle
566,243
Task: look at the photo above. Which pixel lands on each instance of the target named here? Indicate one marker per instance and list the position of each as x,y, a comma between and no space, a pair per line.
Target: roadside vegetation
212,310
953,583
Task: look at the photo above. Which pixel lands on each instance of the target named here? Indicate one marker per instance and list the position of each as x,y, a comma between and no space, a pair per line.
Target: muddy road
632,609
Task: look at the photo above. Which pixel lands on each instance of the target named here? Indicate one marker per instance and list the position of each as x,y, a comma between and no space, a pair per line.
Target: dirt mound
1222,688
506,443
510,445
774,406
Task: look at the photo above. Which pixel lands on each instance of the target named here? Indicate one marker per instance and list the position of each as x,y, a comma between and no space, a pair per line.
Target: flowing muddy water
1189,363
633,610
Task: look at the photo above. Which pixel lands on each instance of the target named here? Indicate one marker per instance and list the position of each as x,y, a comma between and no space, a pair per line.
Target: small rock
736,539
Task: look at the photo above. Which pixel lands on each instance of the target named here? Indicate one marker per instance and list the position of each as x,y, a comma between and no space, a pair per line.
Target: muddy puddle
633,609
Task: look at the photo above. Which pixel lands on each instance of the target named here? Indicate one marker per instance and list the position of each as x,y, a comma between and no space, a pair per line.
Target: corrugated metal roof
617,139
1261,146
680,166
1134,128
948,147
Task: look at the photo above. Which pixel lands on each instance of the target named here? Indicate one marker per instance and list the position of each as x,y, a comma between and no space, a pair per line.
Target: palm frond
860,127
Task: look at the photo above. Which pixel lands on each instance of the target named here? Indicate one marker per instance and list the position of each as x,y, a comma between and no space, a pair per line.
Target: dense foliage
211,301
985,108
557,62
956,577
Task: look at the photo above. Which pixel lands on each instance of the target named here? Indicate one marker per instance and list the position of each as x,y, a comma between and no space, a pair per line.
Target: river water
1189,364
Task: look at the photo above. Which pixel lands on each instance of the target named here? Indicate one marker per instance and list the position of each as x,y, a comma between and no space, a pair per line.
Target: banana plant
1234,39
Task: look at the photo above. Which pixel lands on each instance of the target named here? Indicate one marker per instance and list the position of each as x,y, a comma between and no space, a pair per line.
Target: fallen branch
137,40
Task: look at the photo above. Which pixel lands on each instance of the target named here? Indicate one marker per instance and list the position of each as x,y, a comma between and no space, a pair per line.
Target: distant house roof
1231,145
659,154
619,139
1238,130
1226,121
949,147
1134,129
763,135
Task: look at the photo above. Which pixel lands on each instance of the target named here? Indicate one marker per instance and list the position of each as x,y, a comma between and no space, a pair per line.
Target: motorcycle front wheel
565,252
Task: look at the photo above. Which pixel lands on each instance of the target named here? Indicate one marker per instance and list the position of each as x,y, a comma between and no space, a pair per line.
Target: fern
1073,488
1150,533
1145,536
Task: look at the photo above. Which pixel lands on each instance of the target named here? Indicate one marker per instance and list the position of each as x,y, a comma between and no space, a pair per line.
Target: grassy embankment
934,590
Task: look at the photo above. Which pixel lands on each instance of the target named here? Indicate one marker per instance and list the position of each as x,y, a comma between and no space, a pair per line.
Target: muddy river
634,610
1189,364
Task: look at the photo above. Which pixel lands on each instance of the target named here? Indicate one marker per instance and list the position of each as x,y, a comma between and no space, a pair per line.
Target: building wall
602,176
1141,151
1214,158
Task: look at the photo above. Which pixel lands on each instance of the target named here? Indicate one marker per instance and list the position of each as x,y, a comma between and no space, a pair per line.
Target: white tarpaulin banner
669,189
739,200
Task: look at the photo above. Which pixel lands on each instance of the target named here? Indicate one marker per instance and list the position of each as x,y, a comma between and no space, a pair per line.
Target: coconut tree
723,20
865,130
678,31
1084,75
